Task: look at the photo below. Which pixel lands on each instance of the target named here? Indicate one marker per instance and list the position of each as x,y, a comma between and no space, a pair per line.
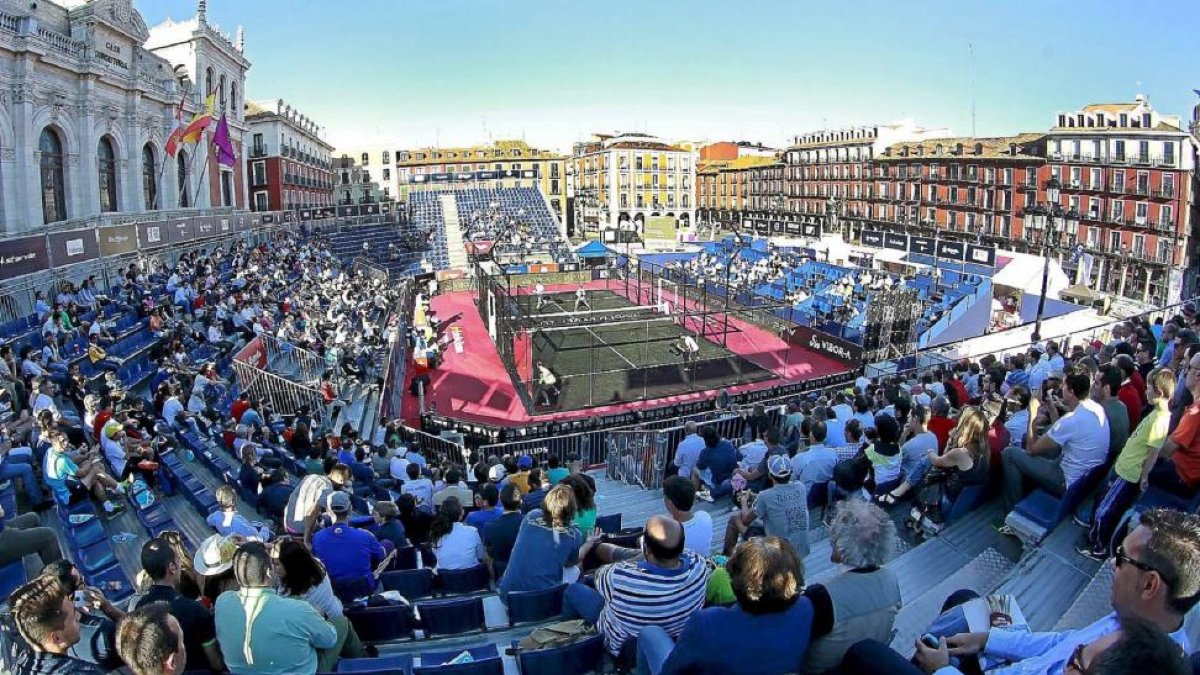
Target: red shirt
239,408
1133,403
961,388
1139,385
1187,435
941,427
102,418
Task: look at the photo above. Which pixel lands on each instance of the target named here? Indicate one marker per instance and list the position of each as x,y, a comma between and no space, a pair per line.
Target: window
224,101
1093,237
106,158
226,188
208,82
1168,185
1169,153
1118,210
1119,146
181,175
54,206
259,170
260,201
1094,208
1141,212
233,106
387,174
1114,241
387,157
366,159
1166,215
149,178
1096,181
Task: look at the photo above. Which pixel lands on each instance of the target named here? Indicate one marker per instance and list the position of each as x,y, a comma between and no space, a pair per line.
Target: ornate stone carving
73,159
8,154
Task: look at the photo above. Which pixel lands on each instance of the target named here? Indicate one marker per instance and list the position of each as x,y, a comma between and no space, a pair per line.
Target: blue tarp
594,249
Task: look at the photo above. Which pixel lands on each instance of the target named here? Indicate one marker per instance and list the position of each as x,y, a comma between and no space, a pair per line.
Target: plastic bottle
123,537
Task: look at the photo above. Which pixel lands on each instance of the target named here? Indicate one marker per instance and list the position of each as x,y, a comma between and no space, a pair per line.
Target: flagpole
204,167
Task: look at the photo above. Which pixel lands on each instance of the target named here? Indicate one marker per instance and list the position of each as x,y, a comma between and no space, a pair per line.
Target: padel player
686,348
540,292
581,299
546,382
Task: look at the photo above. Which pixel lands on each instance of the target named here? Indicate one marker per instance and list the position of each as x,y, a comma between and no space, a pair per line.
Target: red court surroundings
474,386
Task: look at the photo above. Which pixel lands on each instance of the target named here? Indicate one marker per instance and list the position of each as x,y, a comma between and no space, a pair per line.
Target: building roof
998,147
471,153
751,161
644,145
1111,107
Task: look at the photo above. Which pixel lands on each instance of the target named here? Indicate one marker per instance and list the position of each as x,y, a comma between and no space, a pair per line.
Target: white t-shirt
1083,436
398,468
171,409
698,533
460,549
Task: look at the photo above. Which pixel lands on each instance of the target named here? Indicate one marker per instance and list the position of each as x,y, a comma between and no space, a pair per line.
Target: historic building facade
621,180
89,97
289,164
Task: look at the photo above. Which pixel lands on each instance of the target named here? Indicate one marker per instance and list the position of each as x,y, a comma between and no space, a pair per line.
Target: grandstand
403,250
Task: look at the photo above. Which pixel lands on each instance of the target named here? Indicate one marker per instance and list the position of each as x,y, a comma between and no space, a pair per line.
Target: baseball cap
779,466
525,462
339,502
496,473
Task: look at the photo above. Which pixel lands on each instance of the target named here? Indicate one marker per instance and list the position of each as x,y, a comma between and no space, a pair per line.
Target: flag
220,139
176,135
200,121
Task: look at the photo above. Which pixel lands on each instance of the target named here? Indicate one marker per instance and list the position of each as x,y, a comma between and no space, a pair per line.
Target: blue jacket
714,640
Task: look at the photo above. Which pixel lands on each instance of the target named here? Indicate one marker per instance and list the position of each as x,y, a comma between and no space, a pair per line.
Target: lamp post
1054,223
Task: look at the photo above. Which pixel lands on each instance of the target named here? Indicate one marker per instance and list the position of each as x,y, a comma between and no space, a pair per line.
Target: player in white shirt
540,292
581,299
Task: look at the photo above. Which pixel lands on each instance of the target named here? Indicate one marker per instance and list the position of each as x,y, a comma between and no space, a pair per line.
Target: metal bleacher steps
454,233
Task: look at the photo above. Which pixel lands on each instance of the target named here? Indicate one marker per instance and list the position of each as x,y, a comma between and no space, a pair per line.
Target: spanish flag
176,135
200,121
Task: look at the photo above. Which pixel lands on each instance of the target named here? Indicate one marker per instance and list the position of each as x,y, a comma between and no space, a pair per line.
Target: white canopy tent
1024,273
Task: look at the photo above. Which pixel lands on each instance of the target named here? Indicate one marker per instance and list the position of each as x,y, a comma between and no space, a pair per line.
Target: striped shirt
639,593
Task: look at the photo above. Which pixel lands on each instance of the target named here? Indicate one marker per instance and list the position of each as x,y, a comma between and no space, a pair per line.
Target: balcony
1163,193
257,151
258,180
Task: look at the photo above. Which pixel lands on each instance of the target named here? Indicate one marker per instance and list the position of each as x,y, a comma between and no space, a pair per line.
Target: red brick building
288,162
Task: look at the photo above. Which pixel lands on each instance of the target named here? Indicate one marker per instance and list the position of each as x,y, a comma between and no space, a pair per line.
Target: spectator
1156,578
770,614
387,517
487,508
72,476
884,454
921,444
835,427
585,502
303,577
1017,423
754,467
1078,433
420,487
940,422
455,545
537,492
262,632
779,511
1132,391
547,544
455,487
862,412
813,464
1104,391
679,497
97,616
162,566
44,614
24,535
276,492
348,553
226,520
1130,474
380,463
1177,468
151,641
715,466
965,463
500,533
555,472
306,501
416,521
663,588
862,602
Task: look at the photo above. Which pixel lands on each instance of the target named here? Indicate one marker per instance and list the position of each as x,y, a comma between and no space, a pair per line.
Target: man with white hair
687,453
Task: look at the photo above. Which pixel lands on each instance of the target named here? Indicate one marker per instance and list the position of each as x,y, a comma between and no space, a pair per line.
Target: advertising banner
23,255
205,226
825,344
67,248
368,209
814,230
981,255
152,234
347,210
118,239
180,230
951,250
871,238
922,245
895,241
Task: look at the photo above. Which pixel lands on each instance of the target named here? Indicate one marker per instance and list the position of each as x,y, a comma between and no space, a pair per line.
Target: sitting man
715,466
781,510
150,640
663,588
1156,578
45,615
348,553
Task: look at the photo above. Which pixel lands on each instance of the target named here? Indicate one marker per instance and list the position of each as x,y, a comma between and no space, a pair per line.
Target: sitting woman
456,546
302,576
227,521
771,612
964,463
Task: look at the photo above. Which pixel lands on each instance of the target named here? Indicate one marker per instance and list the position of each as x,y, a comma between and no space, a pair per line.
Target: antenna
971,60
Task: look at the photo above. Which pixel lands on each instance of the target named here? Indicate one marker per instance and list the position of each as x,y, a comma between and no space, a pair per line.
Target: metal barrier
309,367
589,447
395,361
363,265
435,449
636,457
284,396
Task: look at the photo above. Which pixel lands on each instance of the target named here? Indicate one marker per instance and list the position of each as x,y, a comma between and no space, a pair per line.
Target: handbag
556,635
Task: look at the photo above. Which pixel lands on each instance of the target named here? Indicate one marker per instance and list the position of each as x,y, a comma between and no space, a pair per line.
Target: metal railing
285,396
309,366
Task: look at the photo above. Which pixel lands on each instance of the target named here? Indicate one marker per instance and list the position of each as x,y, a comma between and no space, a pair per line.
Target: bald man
660,585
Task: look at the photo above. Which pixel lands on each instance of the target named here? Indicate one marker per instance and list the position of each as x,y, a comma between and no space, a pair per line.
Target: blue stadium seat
412,584
406,559
94,558
452,617
461,582
584,656
86,534
486,662
1046,510
382,624
534,606
351,590
12,576
391,664
970,497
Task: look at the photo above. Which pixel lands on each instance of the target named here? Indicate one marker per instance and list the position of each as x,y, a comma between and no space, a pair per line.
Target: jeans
582,602
20,467
723,490
24,535
1019,465
654,646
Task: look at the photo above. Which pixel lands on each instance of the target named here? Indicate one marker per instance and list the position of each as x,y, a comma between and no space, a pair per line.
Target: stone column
83,173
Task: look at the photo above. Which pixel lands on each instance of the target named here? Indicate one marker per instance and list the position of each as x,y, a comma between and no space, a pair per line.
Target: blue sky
415,72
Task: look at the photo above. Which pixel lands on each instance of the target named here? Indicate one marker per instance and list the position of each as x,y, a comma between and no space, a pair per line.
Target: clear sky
417,72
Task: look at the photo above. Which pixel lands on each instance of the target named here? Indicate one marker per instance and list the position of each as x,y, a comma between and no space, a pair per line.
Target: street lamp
1054,223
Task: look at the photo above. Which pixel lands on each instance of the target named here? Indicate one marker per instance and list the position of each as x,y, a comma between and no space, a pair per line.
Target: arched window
233,104
54,201
181,173
208,82
149,178
222,97
106,158
366,159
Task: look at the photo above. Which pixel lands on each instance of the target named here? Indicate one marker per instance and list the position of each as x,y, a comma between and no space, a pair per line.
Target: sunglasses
1122,558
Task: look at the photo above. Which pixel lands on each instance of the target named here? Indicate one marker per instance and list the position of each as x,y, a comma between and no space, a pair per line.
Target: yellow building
500,164
622,180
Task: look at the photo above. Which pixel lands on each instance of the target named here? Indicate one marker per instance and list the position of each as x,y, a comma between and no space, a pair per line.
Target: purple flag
225,156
